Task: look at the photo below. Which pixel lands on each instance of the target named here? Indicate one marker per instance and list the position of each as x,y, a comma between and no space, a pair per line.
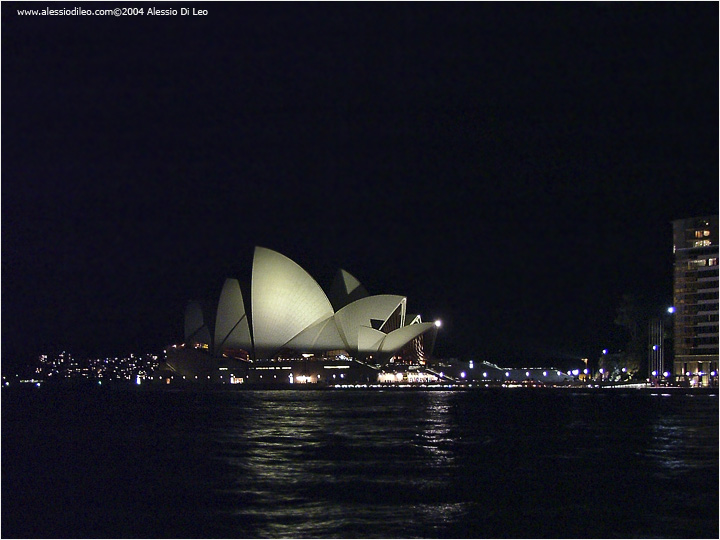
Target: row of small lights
688,374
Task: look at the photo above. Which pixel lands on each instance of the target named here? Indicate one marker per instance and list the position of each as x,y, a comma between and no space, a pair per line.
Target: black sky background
511,168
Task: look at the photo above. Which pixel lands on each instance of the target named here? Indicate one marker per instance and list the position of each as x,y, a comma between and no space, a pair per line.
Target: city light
655,347
666,374
671,309
438,323
462,374
654,373
605,351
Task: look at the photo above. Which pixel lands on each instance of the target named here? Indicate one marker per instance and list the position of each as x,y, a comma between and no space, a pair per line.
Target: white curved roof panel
285,301
329,338
369,339
321,336
361,313
231,324
397,339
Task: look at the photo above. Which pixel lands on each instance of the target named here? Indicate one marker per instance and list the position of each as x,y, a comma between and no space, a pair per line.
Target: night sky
512,169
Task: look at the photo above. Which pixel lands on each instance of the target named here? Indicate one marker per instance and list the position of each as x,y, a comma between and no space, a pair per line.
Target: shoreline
249,387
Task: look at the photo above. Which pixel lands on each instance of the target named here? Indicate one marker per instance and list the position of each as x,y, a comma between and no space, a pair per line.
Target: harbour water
500,463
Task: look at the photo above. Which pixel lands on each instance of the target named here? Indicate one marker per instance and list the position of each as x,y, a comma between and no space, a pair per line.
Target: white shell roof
231,324
285,301
369,339
361,312
321,336
397,339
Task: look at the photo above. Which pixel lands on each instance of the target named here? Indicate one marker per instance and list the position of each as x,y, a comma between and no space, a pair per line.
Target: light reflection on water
362,463
447,464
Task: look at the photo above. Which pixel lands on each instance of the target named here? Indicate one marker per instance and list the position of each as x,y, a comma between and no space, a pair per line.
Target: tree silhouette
632,317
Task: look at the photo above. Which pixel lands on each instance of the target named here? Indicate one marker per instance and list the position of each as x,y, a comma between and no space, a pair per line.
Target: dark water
397,463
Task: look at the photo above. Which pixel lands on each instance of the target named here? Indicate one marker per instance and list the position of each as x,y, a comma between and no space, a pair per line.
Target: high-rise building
695,292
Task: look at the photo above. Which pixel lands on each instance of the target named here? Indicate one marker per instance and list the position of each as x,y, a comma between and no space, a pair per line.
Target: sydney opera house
290,331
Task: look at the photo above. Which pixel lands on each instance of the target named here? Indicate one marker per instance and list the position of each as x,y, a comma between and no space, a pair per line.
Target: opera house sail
285,301
291,316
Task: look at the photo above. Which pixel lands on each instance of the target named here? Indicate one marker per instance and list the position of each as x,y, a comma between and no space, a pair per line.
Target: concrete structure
695,292
322,370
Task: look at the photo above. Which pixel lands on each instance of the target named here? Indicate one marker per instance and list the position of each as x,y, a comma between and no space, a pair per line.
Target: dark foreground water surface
356,463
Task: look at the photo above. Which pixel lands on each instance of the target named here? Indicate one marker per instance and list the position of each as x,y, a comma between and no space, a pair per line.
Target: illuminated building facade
695,292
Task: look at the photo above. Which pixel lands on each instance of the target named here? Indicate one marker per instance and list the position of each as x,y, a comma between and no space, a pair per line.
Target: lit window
712,262
696,263
702,234
701,243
